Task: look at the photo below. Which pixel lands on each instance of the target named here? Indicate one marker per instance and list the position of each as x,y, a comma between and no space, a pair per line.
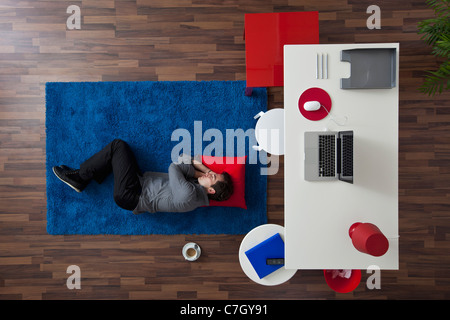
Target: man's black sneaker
70,177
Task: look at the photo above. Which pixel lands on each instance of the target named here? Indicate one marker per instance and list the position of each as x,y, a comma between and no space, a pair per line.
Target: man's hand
199,166
198,174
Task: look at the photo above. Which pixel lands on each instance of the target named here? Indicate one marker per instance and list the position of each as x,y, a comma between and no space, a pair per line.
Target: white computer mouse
312,105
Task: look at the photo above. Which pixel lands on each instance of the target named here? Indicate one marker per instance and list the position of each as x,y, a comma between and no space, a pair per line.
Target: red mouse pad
315,94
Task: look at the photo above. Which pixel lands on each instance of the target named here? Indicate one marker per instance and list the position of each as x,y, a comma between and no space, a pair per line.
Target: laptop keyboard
347,155
327,156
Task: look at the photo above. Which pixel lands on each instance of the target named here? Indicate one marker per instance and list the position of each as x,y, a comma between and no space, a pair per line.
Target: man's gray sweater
176,191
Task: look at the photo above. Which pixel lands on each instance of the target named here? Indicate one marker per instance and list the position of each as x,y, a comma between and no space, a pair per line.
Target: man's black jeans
117,158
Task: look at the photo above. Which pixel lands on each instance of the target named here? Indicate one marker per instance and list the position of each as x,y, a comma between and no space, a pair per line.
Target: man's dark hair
224,189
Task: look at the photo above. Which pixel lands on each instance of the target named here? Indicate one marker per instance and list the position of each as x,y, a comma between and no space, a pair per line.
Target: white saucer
191,245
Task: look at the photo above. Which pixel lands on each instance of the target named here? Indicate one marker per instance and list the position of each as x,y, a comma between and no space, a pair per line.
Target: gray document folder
370,68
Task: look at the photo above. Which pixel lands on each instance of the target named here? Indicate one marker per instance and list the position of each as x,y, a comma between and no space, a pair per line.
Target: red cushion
235,166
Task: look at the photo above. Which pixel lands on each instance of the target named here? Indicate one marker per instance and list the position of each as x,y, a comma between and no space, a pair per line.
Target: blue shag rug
82,117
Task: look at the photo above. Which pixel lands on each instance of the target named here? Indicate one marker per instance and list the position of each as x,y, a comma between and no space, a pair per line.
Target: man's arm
199,167
181,187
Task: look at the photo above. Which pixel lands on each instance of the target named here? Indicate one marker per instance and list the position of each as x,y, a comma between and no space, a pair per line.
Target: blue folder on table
270,248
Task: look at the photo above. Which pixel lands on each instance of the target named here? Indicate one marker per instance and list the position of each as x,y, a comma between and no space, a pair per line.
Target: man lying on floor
188,185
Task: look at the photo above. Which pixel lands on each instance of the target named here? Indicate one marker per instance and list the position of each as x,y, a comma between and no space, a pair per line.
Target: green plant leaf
436,33
442,47
437,81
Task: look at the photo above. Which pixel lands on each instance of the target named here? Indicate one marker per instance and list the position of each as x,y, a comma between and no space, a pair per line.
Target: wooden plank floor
123,40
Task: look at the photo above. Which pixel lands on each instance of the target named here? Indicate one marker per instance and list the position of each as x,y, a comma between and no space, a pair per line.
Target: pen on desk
317,66
326,65
321,69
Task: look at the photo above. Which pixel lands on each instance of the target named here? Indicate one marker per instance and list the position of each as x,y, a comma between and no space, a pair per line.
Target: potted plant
436,33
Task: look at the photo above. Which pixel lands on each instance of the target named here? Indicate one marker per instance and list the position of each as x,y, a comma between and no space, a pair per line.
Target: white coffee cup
191,251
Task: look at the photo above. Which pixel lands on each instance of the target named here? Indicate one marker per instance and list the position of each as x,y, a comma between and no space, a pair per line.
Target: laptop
329,156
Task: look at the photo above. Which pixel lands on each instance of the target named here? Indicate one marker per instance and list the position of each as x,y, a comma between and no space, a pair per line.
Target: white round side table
269,131
253,238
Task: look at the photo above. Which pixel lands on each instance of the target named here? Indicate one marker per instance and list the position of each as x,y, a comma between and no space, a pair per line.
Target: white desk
319,214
